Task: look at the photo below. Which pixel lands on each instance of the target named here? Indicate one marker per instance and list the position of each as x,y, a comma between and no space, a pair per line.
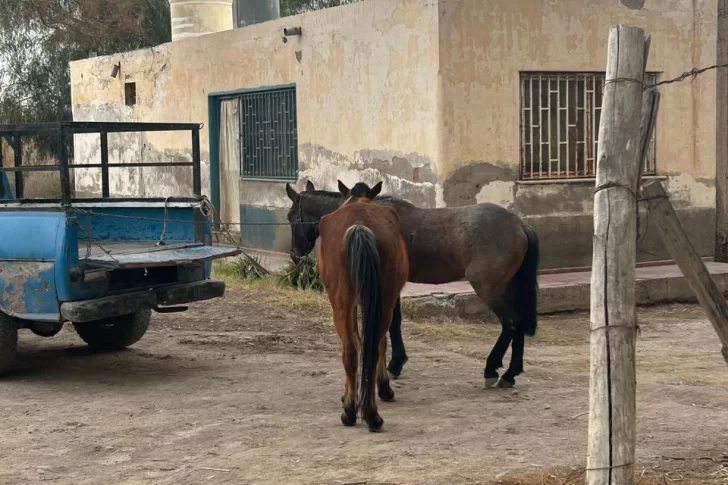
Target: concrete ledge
565,292
561,290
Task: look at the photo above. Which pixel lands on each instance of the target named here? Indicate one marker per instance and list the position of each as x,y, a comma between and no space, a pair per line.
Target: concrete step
561,292
558,291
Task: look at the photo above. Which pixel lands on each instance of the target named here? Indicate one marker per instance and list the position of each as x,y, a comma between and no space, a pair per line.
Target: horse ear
292,194
343,189
374,191
309,186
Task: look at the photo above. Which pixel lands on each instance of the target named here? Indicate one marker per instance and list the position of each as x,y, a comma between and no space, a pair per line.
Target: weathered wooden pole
611,446
721,141
682,251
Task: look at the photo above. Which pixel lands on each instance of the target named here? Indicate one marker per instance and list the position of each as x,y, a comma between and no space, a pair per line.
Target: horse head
359,191
304,226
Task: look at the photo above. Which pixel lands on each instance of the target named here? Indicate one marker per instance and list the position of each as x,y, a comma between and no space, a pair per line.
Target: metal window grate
560,115
269,135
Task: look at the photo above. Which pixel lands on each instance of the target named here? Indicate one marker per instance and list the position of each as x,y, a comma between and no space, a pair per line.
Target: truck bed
119,255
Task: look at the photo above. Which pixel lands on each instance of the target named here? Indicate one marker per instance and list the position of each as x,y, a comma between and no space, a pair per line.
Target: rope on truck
207,209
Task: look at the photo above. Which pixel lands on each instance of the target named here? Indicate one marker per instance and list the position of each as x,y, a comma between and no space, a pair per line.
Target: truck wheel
8,341
46,329
114,333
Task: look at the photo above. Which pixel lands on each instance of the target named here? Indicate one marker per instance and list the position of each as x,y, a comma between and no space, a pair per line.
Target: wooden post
721,138
689,261
650,105
611,446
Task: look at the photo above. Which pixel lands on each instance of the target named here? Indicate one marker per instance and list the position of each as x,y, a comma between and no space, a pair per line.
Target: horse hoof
375,423
348,419
386,395
491,382
505,384
395,368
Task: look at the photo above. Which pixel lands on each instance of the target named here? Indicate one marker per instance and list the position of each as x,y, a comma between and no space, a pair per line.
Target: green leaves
248,268
304,275
38,39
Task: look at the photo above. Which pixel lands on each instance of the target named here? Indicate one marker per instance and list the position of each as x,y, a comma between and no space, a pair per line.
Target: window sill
268,180
578,181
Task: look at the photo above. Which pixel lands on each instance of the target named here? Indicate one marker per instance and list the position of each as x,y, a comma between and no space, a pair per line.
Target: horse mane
322,199
323,193
339,199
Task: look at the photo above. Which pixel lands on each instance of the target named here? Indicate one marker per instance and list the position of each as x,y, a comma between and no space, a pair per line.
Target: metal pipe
65,172
104,164
196,169
18,150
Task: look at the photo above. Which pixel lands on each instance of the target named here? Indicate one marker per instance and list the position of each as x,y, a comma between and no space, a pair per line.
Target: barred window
269,135
560,115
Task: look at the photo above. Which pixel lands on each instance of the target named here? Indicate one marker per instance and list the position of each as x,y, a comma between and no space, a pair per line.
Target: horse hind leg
350,358
346,326
523,308
381,377
384,389
508,379
522,316
399,355
369,411
495,358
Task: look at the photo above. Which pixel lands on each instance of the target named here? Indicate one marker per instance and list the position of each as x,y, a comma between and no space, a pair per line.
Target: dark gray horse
490,246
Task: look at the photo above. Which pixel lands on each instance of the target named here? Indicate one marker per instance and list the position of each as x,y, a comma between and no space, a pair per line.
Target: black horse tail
365,273
525,285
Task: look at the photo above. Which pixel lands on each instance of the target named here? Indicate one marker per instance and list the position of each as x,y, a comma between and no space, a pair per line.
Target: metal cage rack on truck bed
14,135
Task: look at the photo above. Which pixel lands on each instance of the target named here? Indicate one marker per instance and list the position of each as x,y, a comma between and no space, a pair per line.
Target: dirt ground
247,390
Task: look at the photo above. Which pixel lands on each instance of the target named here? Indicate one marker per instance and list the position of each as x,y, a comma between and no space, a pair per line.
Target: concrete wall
424,95
366,81
484,45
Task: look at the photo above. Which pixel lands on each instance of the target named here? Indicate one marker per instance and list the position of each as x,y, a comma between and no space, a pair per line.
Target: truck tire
8,341
46,329
114,333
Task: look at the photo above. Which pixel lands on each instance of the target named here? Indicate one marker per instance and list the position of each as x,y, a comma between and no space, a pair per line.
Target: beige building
450,102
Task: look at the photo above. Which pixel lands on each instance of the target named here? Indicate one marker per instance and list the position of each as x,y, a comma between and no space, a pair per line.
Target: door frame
213,118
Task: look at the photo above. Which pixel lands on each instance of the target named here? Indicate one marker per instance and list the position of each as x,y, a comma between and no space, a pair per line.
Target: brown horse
488,245
363,259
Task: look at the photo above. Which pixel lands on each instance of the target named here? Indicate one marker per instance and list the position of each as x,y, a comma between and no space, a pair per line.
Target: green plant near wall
244,268
303,275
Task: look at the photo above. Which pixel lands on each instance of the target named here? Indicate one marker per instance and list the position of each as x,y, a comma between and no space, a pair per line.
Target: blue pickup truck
102,264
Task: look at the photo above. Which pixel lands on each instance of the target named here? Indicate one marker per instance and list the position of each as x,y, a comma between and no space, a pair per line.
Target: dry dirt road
245,390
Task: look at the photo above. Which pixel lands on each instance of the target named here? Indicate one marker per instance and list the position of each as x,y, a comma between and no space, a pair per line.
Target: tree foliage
38,38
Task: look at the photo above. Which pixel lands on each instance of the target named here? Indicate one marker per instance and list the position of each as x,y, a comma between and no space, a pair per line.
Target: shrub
303,275
247,268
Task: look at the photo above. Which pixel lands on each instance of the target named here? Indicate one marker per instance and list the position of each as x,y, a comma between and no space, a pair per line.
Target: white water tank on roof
191,18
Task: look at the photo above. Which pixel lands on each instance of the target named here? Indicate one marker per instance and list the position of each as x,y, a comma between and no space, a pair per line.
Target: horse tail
525,285
365,273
